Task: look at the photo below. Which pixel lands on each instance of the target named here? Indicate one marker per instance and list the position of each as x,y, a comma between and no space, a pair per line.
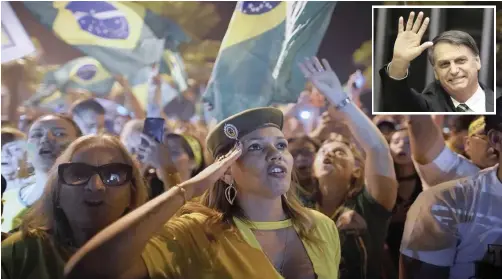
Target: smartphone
154,128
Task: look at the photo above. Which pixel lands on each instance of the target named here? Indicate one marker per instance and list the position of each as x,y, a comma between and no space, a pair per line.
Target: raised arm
379,169
434,161
123,241
426,139
130,100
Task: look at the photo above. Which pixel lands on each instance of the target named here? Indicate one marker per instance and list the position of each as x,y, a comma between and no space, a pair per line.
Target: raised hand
323,78
206,178
407,46
122,80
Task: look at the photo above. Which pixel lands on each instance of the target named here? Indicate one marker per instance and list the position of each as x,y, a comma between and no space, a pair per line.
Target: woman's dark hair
454,37
461,123
87,105
188,149
65,117
11,134
495,121
4,185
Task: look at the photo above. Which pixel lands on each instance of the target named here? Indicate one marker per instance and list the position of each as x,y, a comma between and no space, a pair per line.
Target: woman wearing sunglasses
93,183
249,223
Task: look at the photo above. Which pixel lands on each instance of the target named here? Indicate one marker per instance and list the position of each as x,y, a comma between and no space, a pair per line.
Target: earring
230,193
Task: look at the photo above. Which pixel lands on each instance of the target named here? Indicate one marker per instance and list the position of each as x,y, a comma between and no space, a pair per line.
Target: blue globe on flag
87,72
100,18
257,7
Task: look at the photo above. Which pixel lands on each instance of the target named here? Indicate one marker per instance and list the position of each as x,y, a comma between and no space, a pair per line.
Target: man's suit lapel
489,101
443,98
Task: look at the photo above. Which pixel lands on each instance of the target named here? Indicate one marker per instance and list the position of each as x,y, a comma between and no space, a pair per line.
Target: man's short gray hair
455,37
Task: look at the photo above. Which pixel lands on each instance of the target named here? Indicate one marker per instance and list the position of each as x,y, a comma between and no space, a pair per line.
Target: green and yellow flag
242,75
82,73
114,33
307,22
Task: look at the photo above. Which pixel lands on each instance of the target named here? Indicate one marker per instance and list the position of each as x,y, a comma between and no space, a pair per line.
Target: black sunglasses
78,174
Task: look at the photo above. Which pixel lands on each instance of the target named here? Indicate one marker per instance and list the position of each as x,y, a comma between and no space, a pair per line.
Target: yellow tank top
183,249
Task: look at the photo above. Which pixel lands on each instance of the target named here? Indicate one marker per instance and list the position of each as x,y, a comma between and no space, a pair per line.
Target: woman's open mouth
93,203
402,154
46,152
277,170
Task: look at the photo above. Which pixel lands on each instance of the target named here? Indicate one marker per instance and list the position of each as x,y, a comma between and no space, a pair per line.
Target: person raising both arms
455,59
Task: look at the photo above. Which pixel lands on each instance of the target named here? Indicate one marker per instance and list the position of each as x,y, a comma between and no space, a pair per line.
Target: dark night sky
350,26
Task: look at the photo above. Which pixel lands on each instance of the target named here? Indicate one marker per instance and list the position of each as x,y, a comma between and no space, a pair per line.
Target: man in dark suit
455,59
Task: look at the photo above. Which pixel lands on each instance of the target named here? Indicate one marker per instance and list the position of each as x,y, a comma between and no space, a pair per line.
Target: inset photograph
433,59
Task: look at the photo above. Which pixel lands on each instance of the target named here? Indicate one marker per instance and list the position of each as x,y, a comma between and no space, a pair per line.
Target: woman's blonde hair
220,212
46,219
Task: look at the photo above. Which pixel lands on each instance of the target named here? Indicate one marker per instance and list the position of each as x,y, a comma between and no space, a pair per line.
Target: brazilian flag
242,75
172,65
82,73
112,32
307,22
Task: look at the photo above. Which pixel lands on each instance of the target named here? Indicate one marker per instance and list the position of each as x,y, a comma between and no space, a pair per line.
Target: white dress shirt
476,102
447,166
458,225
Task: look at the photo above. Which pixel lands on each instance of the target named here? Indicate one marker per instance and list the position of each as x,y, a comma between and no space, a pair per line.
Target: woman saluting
248,224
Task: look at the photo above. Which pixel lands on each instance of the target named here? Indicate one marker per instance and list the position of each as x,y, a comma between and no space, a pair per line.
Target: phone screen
154,128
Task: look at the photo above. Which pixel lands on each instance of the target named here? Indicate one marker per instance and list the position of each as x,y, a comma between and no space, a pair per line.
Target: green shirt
362,248
31,258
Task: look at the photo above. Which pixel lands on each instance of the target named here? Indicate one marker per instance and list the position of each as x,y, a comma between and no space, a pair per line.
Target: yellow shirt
183,250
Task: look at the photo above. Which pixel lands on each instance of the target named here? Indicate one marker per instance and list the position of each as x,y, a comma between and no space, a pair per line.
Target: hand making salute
358,194
248,224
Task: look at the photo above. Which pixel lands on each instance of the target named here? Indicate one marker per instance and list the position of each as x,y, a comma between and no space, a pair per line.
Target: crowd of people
262,194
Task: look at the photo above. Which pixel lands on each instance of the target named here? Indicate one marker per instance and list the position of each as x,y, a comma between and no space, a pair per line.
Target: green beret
241,124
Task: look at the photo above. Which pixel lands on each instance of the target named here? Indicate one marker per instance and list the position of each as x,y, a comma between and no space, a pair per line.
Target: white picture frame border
21,44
